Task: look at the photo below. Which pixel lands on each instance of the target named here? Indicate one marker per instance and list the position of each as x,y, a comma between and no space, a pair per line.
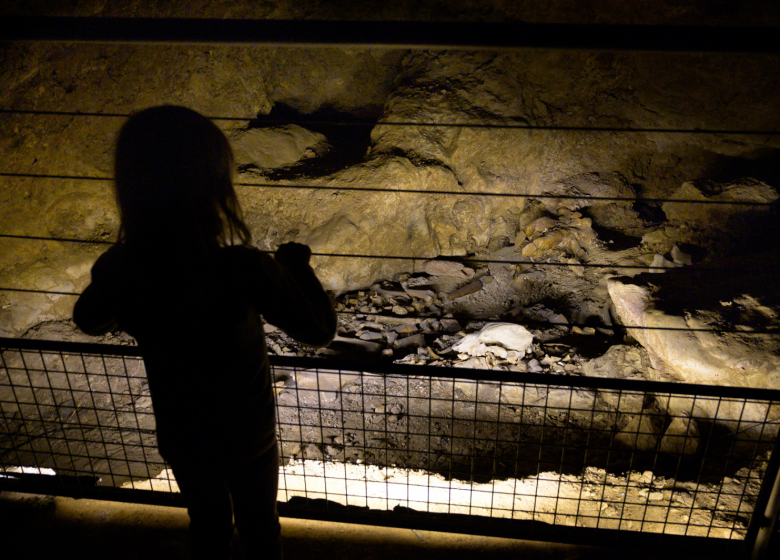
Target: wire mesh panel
76,419
575,456
368,439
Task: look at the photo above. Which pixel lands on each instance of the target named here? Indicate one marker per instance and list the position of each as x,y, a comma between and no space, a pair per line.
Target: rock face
445,122
274,147
725,332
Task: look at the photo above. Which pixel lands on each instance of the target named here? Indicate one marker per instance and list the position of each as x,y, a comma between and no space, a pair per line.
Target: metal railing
553,457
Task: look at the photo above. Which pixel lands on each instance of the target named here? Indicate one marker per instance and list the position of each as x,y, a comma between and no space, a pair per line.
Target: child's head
174,181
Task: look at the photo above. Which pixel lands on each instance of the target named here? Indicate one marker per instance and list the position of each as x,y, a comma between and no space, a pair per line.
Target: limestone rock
681,437
620,361
716,215
83,215
520,283
446,268
640,434
608,196
277,146
716,334
508,335
549,89
680,257
545,237
626,402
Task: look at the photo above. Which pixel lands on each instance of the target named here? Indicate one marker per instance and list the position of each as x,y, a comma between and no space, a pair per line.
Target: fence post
762,523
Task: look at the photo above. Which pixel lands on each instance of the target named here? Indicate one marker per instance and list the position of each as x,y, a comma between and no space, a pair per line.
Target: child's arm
294,299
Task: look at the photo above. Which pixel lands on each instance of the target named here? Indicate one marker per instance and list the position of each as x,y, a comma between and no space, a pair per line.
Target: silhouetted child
184,280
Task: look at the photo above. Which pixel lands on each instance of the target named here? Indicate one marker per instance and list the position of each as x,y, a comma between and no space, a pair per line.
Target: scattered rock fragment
426,295
371,335
446,268
660,264
470,288
450,325
414,340
365,345
389,293
681,258
534,366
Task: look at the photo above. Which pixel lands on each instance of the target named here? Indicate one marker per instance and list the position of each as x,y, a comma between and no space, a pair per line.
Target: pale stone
681,258
444,268
657,237
660,264
476,362
539,225
529,249
626,402
276,146
570,399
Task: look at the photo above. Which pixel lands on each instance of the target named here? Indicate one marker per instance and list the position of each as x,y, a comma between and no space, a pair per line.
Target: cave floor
37,526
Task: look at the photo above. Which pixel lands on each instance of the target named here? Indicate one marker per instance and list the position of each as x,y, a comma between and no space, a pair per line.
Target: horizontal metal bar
69,347
511,528
409,519
396,191
395,34
40,485
389,368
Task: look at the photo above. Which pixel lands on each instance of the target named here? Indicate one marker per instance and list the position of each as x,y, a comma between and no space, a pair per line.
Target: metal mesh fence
475,448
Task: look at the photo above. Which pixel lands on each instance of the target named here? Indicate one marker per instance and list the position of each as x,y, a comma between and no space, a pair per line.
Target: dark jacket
197,323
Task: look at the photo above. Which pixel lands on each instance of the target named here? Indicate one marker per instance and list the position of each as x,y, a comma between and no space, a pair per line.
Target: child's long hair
174,183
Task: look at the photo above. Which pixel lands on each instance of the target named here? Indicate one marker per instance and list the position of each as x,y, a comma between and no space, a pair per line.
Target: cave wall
240,85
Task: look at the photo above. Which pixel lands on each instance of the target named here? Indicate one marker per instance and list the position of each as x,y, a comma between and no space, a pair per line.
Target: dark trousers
253,487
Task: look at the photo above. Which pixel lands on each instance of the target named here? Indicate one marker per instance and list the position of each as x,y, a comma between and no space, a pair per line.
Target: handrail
510,36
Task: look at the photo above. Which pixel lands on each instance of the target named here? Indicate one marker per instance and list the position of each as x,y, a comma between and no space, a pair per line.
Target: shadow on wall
762,164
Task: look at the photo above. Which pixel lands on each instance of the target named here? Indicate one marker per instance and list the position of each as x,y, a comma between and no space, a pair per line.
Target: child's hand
293,253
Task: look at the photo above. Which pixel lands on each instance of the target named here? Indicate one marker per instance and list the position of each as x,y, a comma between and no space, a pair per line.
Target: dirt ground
48,527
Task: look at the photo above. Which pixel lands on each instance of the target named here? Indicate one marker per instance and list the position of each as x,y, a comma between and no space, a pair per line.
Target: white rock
507,335
681,258
659,263
534,367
